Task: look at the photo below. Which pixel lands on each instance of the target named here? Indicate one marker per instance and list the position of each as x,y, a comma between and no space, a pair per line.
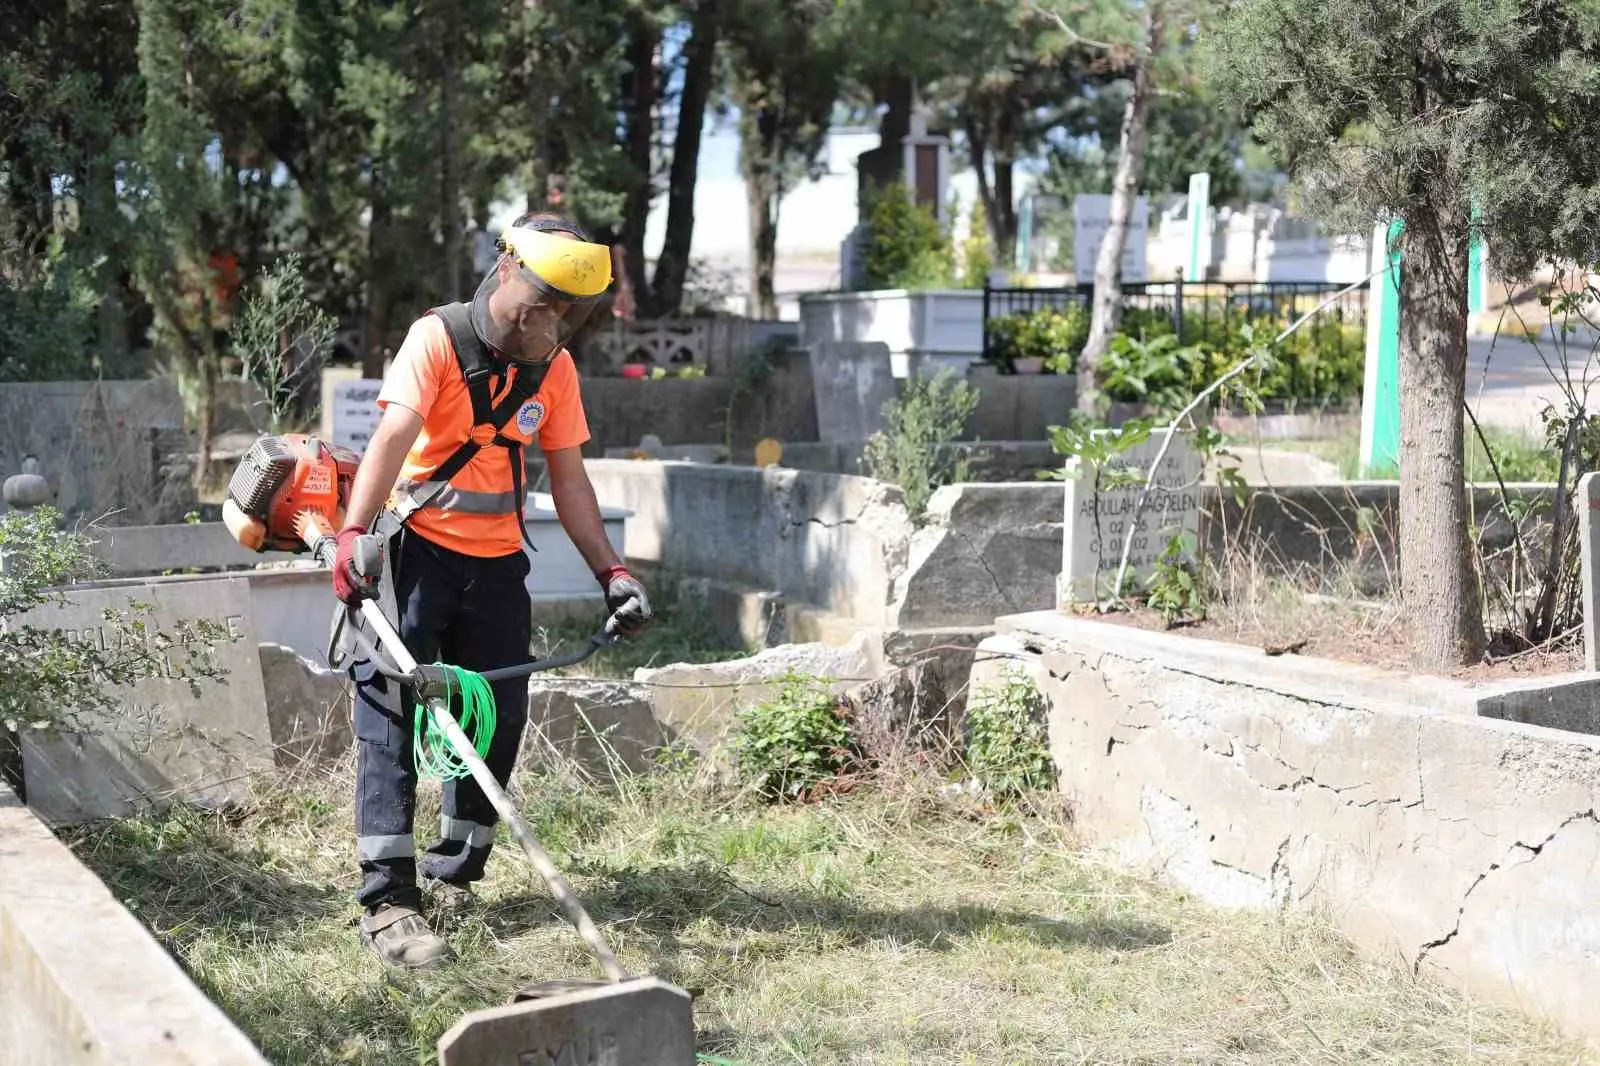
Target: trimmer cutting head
286,486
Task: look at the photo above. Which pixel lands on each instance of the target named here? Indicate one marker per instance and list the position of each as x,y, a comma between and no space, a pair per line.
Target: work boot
398,935
449,901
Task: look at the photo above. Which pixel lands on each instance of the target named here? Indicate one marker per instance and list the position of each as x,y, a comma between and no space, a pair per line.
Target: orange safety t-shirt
476,514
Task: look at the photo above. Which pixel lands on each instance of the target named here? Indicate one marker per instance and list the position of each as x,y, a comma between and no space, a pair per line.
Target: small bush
977,259
48,680
787,745
47,329
907,451
906,248
1148,362
1008,751
1055,335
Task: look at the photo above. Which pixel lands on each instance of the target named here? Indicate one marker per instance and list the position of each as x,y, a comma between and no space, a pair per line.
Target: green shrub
1055,335
48,680
977,258
47,330
785,746
909,451
1008,750
1321,363
906,248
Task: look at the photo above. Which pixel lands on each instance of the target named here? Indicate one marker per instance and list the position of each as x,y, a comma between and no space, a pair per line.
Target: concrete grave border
1417,813
124,1002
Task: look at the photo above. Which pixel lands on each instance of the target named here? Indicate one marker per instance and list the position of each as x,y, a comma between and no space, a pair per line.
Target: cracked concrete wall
1396,805
984,550
827,541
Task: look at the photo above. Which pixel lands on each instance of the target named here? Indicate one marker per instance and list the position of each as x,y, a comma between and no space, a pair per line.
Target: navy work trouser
468,612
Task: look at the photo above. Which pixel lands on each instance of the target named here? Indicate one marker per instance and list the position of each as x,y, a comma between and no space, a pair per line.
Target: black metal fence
1200,312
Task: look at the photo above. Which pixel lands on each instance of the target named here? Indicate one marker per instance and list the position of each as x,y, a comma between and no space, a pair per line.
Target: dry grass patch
893,925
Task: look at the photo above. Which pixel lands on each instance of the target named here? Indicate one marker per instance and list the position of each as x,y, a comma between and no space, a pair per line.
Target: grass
684,632
1520,457
893,925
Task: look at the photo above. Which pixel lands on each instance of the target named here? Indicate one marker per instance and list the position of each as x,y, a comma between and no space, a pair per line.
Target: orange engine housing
288,489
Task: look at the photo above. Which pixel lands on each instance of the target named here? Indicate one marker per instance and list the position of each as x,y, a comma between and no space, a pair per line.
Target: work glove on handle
621,587
349,586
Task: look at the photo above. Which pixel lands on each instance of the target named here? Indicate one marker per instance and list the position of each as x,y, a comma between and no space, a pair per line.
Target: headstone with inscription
354,415
1091,217
1097,519
162,741
644,1022
1588,502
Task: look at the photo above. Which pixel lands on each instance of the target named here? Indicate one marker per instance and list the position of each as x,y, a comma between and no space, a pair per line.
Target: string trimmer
288,494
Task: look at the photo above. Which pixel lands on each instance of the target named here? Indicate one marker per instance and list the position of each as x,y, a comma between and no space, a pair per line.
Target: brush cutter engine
288,491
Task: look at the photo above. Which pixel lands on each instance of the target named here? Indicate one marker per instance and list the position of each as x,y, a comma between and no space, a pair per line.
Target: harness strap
481,372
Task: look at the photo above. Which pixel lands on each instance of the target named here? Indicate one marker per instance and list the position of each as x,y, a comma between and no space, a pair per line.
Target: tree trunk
643,39
699,64
1106,316
205,415
1003,210
449,201
762,194
897,98
1437,577
376,327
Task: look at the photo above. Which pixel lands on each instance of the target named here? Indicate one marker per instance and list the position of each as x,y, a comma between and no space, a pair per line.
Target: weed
1008,751
906,452
788,744
1174,589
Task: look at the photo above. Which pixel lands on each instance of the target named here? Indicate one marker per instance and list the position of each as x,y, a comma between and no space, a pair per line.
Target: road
1509,380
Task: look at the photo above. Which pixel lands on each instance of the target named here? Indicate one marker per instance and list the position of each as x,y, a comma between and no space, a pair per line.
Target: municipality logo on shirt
529,416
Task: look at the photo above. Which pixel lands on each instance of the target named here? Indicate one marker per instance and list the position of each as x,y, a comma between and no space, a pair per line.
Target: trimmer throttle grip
367,560
614,623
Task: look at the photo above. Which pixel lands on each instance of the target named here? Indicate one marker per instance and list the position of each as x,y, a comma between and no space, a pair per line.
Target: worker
442,482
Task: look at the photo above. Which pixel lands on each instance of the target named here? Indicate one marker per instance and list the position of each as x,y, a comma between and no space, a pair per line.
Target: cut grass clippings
893,925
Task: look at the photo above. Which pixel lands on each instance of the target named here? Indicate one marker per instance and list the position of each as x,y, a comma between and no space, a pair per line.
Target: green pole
1020,257
1477,257
1380,394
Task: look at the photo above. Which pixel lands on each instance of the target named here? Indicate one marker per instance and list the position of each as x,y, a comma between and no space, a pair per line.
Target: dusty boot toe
398,935
450,902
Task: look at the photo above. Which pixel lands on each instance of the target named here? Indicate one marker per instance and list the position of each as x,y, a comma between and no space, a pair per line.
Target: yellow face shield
571,269
540,291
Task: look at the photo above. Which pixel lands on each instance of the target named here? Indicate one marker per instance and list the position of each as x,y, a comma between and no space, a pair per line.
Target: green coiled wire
434,756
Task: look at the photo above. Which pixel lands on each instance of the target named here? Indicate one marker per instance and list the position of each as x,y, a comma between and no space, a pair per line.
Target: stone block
909,715
604,727
982,551
644,1022
81,980
696,702
162,742
852,382
308,709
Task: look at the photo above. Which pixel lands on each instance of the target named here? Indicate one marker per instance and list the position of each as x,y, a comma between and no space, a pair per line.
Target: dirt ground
1373,636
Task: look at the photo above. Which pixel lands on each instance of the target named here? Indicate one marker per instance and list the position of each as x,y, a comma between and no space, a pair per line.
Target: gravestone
1096,523
1091,217
354,414
160,742
851,381
1589,552
645,1022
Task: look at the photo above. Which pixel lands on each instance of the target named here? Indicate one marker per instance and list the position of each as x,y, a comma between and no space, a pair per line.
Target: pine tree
1427,113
